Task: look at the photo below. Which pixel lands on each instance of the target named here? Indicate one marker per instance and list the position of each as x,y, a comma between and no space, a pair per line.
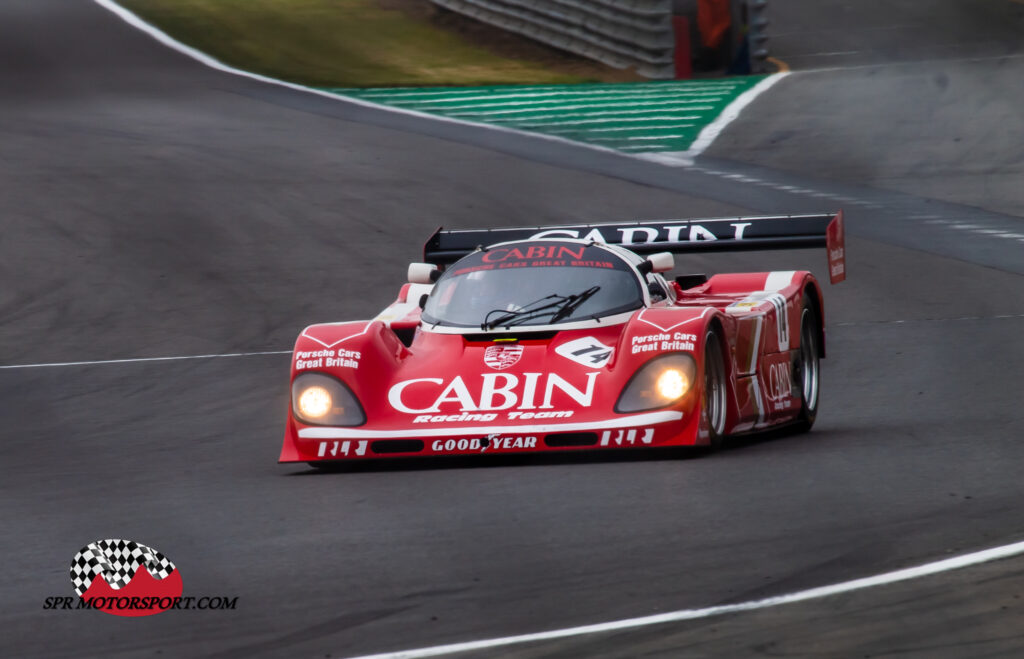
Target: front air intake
566,439
397,446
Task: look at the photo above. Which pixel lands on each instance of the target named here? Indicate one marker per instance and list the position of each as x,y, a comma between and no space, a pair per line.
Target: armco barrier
633,34
758,35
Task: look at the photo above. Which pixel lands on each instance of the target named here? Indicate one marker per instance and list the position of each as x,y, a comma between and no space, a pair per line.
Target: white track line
606,113
948,60
1005,316
147,359
642,138
925,570
598,106
730,114
706,137
646,148
624,95
611,120
621,97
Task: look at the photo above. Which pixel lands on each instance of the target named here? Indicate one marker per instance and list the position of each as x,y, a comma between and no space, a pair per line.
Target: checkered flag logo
116,561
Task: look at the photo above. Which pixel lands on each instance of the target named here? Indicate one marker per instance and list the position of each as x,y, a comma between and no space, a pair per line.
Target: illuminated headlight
672,384
659,383
322,400
315,402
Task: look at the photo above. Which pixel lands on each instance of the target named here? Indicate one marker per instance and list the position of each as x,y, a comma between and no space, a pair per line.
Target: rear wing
679,236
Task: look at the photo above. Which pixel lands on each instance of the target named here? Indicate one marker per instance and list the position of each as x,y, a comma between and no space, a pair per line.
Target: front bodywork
427,393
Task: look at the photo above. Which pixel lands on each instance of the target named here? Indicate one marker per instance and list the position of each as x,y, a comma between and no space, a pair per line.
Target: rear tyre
807,368
714,402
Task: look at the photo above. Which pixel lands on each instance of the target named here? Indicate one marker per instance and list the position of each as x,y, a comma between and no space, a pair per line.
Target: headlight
659,383
322,400
672,384
315,402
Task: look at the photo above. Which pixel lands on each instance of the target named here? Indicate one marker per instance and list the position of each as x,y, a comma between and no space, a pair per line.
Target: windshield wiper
508,315
573,303
562,307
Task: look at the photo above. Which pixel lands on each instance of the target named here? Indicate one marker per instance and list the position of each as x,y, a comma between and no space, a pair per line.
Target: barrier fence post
757,35
684,67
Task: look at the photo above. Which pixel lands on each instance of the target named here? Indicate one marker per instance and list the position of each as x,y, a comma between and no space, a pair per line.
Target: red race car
568,338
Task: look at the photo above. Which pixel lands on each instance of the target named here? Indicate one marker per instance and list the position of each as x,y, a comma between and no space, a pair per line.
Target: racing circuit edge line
936,567
677,159
729,113
132,360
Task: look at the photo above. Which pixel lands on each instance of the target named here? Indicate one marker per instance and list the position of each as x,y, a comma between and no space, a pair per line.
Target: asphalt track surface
152,207
917,96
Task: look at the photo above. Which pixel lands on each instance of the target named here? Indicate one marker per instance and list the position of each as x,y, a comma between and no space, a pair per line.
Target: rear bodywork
425,392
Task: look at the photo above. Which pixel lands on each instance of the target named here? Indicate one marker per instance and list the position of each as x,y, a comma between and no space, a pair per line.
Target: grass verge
351,43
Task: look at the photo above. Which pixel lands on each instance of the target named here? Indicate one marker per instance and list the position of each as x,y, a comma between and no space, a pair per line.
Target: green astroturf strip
646,117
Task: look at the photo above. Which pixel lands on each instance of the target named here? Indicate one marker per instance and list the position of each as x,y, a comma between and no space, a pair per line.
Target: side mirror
660,262
423,273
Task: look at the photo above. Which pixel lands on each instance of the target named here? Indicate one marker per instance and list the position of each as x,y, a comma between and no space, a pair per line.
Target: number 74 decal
587,351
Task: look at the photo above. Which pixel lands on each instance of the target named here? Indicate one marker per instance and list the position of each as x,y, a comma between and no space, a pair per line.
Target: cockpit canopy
535,283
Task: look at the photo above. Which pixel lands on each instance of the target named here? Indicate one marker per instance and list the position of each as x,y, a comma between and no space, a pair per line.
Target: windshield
544,283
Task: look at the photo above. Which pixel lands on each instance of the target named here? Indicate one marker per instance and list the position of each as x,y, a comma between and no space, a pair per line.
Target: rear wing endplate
679,236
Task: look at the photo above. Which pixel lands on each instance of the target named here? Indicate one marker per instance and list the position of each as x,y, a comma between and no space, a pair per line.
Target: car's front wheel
715,397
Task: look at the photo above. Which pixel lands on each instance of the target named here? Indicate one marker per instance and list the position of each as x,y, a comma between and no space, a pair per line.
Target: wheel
714,389
807,367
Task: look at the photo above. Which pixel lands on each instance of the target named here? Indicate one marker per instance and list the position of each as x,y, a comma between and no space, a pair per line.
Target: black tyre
715,394
806,370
